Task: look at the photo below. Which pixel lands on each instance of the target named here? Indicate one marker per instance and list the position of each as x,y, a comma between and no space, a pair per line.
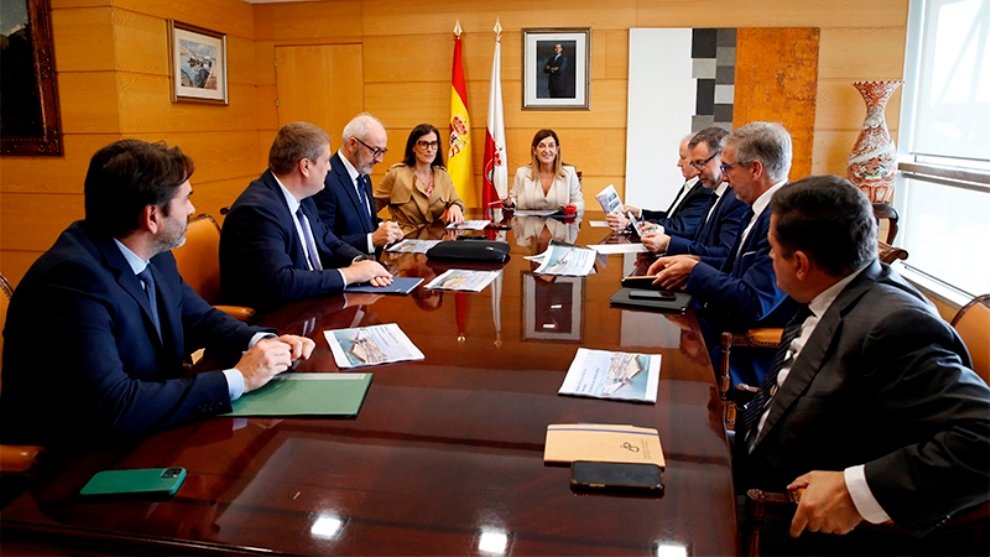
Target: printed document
461,279
615,375
367,346
608,198
614,249
470,225
412,246
565,260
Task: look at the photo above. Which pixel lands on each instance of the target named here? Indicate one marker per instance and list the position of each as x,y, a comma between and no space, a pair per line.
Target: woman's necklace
426,181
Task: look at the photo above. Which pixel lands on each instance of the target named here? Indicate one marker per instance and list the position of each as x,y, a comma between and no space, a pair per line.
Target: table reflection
446,454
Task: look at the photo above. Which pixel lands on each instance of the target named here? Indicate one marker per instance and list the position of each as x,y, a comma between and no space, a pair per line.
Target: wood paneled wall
111,59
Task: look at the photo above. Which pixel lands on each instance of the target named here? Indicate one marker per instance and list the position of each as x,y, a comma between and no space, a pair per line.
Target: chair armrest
238,312
759,338
19,459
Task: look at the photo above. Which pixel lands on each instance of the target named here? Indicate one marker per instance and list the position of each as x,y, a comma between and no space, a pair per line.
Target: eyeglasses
375,151
701,164
725,167
428,144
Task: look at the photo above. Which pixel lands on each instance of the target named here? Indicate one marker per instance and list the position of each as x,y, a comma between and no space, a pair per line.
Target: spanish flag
459,153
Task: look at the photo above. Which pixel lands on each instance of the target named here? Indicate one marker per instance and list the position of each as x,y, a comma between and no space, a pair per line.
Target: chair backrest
199,258
6,291
973,325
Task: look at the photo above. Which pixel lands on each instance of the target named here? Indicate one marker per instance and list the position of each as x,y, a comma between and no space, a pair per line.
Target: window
943,189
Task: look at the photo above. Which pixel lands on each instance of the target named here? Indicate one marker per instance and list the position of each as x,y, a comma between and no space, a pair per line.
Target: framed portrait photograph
552,307
556,69
197,63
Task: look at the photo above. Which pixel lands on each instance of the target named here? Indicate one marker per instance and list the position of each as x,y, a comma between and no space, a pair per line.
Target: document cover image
613,375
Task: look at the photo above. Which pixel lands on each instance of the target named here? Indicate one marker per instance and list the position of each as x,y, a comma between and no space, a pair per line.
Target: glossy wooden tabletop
446,454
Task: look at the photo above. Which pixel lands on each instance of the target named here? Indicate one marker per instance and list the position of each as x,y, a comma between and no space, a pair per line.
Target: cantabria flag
495,175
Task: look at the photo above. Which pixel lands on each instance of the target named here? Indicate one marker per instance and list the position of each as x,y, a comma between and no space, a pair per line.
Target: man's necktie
314,255
756,407
363,184
150,291
730,262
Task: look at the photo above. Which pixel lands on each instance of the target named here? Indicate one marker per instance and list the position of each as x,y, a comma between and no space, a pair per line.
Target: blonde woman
545,183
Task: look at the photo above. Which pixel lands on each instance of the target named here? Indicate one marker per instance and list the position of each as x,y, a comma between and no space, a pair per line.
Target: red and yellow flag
459,148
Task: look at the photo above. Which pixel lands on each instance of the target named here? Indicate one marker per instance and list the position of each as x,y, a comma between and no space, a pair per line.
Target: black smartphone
659,295
161,482
639,281
619,476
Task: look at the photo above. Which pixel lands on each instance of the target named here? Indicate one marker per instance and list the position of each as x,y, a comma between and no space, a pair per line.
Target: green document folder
306,394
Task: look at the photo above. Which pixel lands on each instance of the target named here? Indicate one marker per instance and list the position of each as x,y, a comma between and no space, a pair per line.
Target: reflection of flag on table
495,177
459,150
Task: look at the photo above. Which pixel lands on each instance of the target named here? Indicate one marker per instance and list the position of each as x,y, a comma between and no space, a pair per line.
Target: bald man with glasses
346,204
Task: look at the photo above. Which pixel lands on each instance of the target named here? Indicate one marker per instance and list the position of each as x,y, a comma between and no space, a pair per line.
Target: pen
496,202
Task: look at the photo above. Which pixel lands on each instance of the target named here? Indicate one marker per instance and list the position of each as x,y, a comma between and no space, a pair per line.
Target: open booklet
564,260
608,198
614,375
366,346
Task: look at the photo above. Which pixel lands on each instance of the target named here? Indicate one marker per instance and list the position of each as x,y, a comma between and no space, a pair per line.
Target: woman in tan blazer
418,191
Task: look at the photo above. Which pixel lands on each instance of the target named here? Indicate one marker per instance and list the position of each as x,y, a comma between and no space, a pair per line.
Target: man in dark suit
741,291
273,246
691,203
871,407
346,204
556,69
722,215
100,325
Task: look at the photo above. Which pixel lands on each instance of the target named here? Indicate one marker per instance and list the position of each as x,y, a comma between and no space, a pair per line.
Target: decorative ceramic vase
873,160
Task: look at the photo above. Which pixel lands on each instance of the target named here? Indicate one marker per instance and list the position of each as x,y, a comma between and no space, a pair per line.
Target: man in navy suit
99,327
346,204
723,214
688,209
741,292
871,409
556,69
273,246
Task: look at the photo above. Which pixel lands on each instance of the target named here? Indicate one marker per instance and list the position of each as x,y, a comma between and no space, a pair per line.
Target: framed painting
197,64
556,69
30,122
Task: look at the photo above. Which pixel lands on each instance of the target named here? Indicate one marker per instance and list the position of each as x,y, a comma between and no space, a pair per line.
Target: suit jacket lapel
125,277
295,248
815,353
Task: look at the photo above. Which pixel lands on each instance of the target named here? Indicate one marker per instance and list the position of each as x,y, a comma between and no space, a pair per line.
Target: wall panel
406,65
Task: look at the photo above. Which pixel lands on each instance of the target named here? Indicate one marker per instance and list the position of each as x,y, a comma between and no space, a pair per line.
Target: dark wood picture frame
31,123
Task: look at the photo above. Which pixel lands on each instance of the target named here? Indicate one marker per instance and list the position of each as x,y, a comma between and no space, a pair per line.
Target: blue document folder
400,285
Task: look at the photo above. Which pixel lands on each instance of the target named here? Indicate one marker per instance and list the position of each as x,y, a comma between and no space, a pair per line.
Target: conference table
445,456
